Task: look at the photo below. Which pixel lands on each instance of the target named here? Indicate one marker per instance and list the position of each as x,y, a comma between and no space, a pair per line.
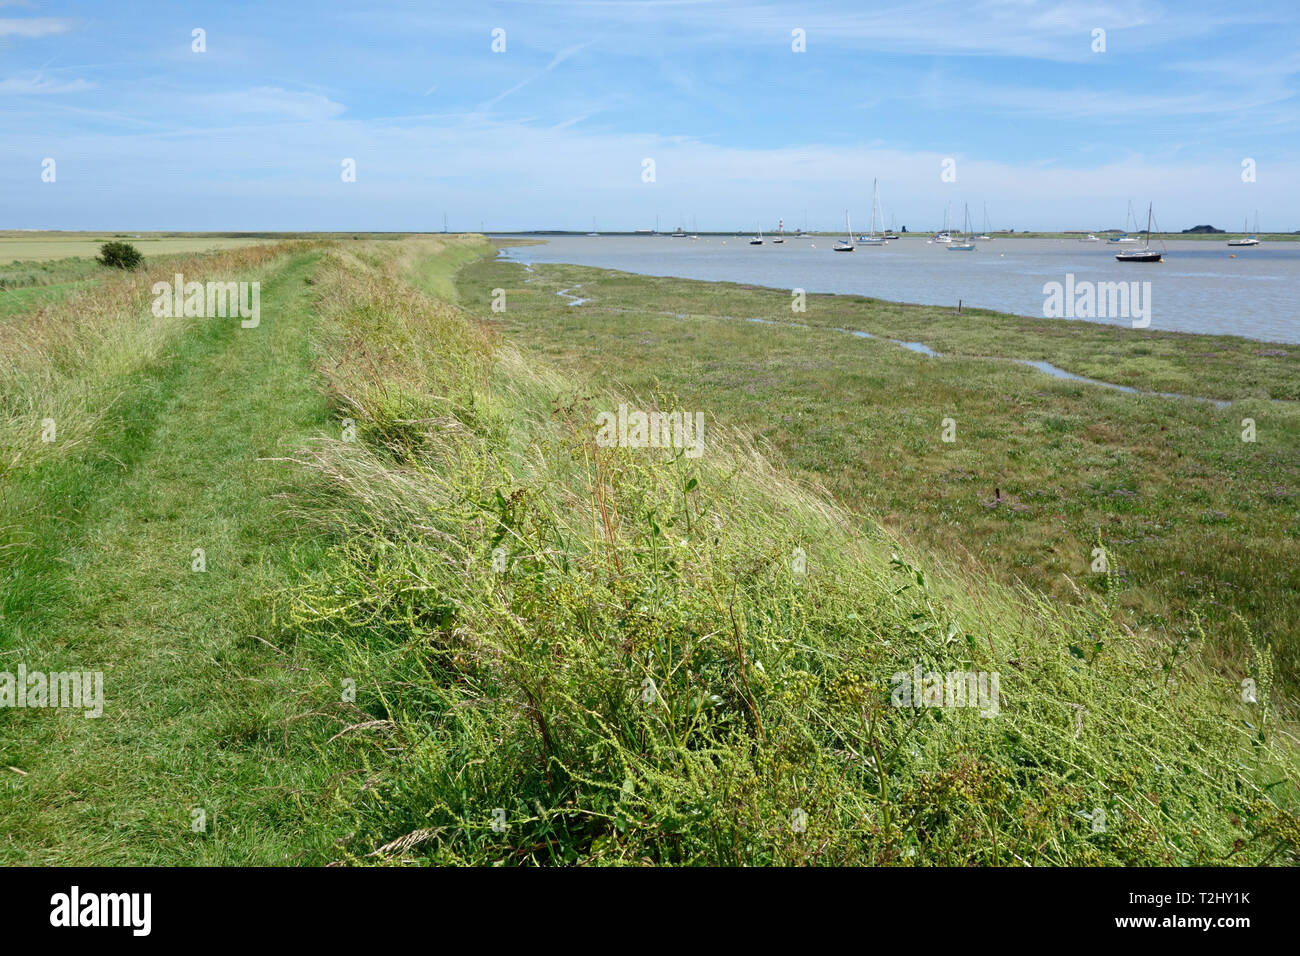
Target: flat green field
38,247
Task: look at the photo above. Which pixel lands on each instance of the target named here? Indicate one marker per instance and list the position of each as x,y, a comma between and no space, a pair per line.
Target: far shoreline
517,240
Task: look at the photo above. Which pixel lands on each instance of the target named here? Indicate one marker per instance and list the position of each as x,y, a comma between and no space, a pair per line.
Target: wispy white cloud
272,101
1053,30
1245,68
37,85
575,120
33,26
555,61
1098,103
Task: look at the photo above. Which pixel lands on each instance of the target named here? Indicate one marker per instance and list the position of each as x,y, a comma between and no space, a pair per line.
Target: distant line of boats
872,238
1147,254
964,241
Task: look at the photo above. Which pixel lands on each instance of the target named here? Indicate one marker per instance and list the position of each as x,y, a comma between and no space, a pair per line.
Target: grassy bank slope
570,653
1196,522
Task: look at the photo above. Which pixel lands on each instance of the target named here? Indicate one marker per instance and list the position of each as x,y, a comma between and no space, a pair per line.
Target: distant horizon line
121,231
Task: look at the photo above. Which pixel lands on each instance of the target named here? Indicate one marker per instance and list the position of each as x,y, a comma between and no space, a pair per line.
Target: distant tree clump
119,255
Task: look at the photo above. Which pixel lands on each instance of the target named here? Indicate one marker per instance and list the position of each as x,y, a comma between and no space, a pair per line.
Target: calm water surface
1198,288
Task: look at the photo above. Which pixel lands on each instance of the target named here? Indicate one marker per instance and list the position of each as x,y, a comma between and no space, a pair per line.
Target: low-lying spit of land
450,621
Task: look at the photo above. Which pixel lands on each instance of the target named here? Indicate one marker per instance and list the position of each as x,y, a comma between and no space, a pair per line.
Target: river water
1198,288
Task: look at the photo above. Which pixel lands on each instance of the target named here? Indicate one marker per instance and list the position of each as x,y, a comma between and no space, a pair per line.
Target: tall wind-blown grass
648,674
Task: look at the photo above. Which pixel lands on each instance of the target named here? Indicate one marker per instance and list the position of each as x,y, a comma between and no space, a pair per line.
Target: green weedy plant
119,255
643,680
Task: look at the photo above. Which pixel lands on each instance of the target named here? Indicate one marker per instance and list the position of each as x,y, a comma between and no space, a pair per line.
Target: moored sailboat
1146,253
846,244
1124,236
871,239
944,235
965,245
1249,239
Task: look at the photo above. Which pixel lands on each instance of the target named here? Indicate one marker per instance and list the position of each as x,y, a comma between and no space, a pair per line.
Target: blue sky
251,134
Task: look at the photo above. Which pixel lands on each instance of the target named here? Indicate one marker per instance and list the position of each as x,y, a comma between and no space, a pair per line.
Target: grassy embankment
1195,521
652,679
649,679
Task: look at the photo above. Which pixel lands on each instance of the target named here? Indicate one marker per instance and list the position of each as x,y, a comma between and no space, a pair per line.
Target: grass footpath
191,697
